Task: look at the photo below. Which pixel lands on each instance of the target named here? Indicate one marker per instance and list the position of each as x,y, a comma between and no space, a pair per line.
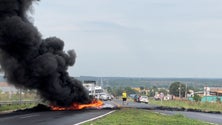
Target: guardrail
18,102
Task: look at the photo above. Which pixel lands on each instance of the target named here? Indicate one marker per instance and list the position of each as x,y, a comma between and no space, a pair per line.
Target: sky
137,38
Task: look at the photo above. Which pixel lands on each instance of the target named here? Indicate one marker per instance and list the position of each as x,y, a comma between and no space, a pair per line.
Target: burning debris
77,106
94,105
35,63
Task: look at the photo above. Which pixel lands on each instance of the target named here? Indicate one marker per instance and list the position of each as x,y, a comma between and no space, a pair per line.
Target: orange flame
78,106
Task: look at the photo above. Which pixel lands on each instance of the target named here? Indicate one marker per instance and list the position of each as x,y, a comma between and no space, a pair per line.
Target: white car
103,97
110,97
144,99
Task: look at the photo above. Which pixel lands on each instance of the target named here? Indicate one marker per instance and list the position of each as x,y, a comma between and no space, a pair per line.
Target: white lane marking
28,116
95,118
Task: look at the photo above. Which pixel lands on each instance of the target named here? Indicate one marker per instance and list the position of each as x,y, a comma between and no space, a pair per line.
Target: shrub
196,98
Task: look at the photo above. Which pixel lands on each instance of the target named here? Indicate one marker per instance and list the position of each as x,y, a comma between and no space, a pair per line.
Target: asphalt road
51,117
75,117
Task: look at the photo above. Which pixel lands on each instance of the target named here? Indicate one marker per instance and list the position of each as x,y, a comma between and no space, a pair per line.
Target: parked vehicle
103,96
143,99
110,97
156,97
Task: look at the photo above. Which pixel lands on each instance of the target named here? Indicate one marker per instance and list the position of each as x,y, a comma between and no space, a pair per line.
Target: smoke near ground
35,63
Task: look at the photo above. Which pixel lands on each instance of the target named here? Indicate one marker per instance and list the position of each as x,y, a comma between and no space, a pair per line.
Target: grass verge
129,116
16,107
204,106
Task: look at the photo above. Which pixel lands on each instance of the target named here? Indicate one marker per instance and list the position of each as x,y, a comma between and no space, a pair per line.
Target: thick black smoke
35,63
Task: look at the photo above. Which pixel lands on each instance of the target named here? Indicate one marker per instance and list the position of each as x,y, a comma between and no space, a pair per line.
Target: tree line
176,88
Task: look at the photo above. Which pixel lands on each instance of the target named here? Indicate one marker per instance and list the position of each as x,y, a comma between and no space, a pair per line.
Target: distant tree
117,91
142,88
164,91
152,91
109,90
129,90
196,98
120,91
177,89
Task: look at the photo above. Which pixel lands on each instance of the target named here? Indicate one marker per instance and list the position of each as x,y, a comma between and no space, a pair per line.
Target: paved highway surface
75,117
52,117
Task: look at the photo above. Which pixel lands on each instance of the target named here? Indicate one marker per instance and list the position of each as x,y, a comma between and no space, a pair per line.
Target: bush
196,98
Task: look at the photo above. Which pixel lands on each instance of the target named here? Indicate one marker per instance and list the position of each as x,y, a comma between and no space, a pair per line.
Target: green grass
16,107
16,97
205,106
127,116
13,97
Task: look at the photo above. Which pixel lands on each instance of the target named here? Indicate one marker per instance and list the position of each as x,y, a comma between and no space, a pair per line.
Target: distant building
144,91
210,94
212,91
136,89
190,93
206,91
200,93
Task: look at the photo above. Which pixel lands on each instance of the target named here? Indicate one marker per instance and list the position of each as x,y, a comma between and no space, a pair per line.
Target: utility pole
101,82
20,96
180,91
186,92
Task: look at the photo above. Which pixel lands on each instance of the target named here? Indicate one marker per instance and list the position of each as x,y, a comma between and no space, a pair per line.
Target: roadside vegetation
204,106
15,99
16,107
23,95
127,116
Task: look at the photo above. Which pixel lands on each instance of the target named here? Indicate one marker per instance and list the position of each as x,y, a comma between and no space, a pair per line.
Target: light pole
186,92
20,96
179,91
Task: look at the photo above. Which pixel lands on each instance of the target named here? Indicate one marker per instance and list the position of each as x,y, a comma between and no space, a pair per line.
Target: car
110,97
144,99
156,97
103,97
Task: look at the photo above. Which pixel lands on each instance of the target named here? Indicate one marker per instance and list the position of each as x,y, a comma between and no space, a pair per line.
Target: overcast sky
137,38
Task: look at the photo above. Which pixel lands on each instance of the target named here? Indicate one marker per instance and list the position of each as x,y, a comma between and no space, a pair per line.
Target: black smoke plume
35,63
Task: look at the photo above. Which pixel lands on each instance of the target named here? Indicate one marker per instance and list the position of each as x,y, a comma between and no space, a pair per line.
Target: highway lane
51,117
134,104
